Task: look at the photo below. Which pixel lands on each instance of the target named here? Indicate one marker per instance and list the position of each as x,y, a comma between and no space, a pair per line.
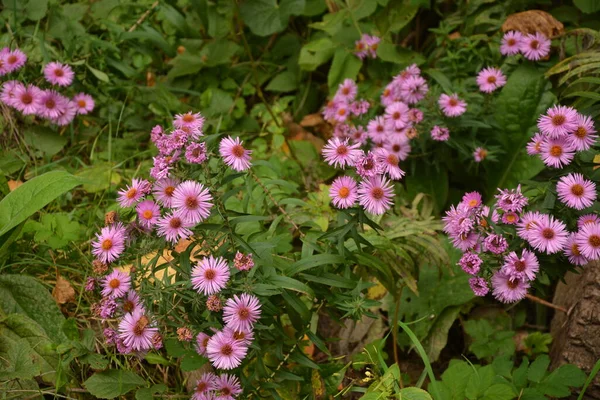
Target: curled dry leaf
63,292
533,21
12,185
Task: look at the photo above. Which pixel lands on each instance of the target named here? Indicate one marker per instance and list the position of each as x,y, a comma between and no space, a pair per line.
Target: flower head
470,263
59,74
204,385
234,154
396,115
480,154
163,191
51,105
548,235
584,136
490,79
241,312
346,91
440,133
572,251
535,145
227,387
210,275
558,121
557,152
116,284
367,165
535,46
13,60
109,243
195,153
377,130
399,145
376,194
190,122
340,153
523,267
343,192
243,262
527,223
508,289
27,99
174,227
131,302
389,162
201,343
84,103
192,201
511,200
413,89
587,219
511,43
148,213
136,330
224,352
134,192
496,244
452,106
575,191
588,240
479,286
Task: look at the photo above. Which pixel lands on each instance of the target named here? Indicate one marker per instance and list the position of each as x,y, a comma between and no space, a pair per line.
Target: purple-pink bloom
535,46
548,234
210,275
376,194
234,154
191,123
511,200
399,145
524,267
470,263
201,343
204,385
116,284
8,95
131,302
490,79
109,243
479,286
480,154
227,387
59,74
343,192
108,306
195,153
376,129
527,223
557,152
396,115
413,89
588,240
366,46
340,153
224,352
389,162
535,145
136,330
558,121
584,136
192,201
134,192
173,227
243,262
148,213
163,190
346,91
27,99
510,218
575,191
241,312
587,219
440,133
67,114
452,106
495,243
84,103
52,105
507,289
511,43
13,60
572,251
472,200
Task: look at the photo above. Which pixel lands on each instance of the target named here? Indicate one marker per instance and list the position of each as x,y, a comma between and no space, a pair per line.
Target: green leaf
99,74
537,369
15,360
191,361
44,139
479,382
314,261
265,17
25,295
499,391
437,340
345,65
392,53
456,378
283,82
185,64
98,177
316,53
587,6
396,15
112,383
36,9
33,195
413,393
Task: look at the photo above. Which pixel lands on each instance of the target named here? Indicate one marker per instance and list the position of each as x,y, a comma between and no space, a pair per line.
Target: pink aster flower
376,129
575,191
396,115
340,153
472,200
136,330
134,192
366,46
8,94
341,112
227,387
190,122
548,235
109,243
440,133
51,105
511,200
245,336
510,218
90,284
390,94
587,219
108,307
511,43
204,385
452,106
201,343
527,224
163,191
558,121
557,152
524,267
343,192
415,115
84,103
192,201
243,262
535,145
148,213
359,107
234,154
210,275
535,47
413,89
465,242
67,115
588,240
195,153
584,136
479,286
507,289
14,60
572,251
494,243
173,227
470,263
59,74
131,302
224,352
346,91
358,135
490,79
389,162
116,284
241,312
27,99
399,145
376,194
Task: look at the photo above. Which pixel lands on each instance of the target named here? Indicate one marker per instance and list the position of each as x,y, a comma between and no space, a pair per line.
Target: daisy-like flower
190,122
557,152
558,121
472,200
470,263
509,200
195,153
234,154
413,89
59,74
527,224
148,213
227,387
490,79
359,107
389,161
174,227
131,302
343,192
584,136
109,243
241,312
377,130
480,154
243,262
340,153
479,286
346,91
572,251
358,134
575,191
136,330
524,267
507,289
415,115
465,242
587,219
163,191
452,106
116,284
535,145
510,218
210,275
496,244
192,201
84,103
68,114
341,112
14,60
51,105
375,194
204,385
511,43
244,336
399,145
8,94
548,235
440,133
27,99
396,115
588,240
201,343
134,192
390,94
535,47
366,46
108,307
224,352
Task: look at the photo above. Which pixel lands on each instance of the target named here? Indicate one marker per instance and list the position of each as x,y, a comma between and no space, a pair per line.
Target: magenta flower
8,94
52,105
137,331
234,154
479,286
116,284
572,251
527,224
243,262
452,106
173,227
192,201
535,145
440,133
163,190
470,263
134,192
359,107
340,153
341,111
510,218
109,243
587,219
389,162
343,192
375,194
588,240
511,43
108,307
204,385
413,89
480,154
536,46
27,99
465,242
68,114
509,200
548,235
507,289
210,275
524,267
224,352
227,387
191,123
472,200
575,191
244,336
366,46
59,74
557,152
131,302
399,145
13,60
396,115
558,121
195,153
490,79
241,312
376,129
415,115
346,91
201,343
358,135
584,136
494,243
390,94
84,103
148,213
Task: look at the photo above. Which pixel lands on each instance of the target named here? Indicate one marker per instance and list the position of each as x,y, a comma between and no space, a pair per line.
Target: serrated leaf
112,383
265,17
345,65
537,369
15,360
499,391
283,82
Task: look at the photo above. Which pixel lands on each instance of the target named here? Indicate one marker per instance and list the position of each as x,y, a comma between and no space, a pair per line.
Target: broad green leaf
396,15
456,377
219,52
285,81
44,139
314,261
437,340
36,9
265,17
479,382
332,22
537,369
191,361
98,177
99,74
345,65
588,6
361,8
316,53
426,179
499,391
392,53
112,383
185,64
413,393
15,360
32,196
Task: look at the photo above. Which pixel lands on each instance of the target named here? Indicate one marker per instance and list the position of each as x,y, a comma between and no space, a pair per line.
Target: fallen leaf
454,35
533,21
312,120
63,292
308,349
12,185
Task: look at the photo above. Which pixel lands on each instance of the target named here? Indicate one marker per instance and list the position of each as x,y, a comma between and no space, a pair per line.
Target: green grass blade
589,380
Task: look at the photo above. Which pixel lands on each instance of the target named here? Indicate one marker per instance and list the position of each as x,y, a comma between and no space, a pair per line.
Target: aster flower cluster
534,46
366,46
47,104
213,387
562,133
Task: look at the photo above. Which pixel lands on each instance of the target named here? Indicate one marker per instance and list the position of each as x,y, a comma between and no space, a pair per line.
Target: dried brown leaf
12,185
533,21
312,120
63,292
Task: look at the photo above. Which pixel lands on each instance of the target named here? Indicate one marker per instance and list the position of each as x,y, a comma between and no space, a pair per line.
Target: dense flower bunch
533,46
366,46
168,209
30,99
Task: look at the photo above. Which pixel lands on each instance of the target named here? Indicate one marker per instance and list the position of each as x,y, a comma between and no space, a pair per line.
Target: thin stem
143,17
395,328
546,303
